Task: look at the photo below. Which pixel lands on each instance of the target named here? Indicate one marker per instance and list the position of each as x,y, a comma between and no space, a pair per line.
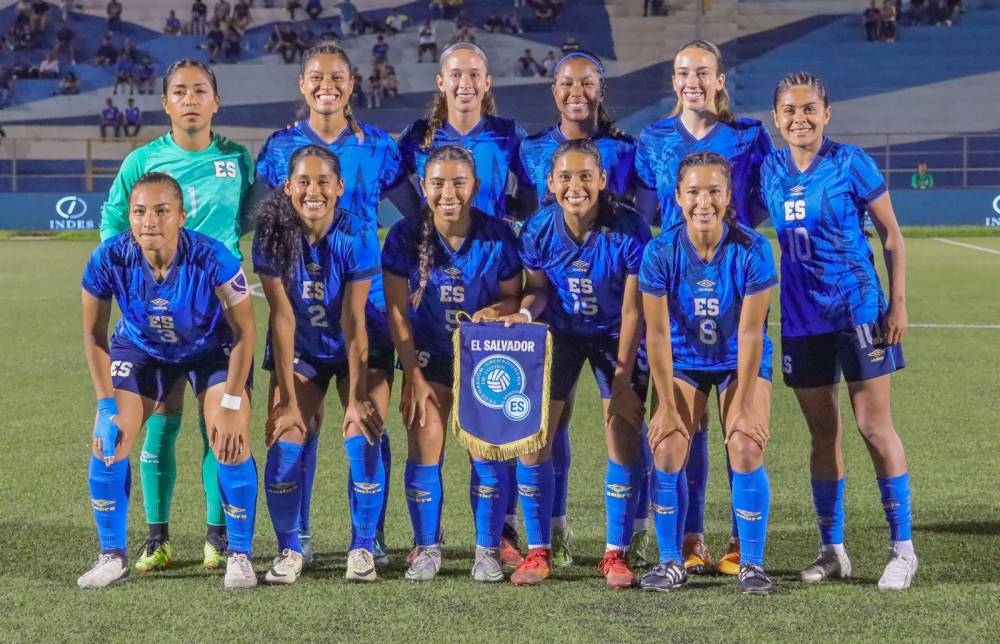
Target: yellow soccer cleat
729,564
697,561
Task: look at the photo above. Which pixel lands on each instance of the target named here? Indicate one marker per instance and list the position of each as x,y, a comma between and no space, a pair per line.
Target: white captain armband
234,291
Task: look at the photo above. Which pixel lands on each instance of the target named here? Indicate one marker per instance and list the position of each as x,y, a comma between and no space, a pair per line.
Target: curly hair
722,96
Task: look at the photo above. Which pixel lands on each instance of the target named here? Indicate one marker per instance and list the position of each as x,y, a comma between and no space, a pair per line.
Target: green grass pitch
945,408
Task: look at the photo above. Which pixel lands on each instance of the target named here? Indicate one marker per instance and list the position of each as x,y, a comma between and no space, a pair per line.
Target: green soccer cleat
155,555
637,549
214,558
562,542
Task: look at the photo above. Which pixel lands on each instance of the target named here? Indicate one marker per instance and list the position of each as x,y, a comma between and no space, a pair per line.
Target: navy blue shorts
569,352
132,369
818,360
436,367
321,372
703,380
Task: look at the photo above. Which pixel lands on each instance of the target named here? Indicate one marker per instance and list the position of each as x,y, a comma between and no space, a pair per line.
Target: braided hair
330,47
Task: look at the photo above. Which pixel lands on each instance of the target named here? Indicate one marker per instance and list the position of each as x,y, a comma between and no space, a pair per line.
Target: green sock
158,466
210,480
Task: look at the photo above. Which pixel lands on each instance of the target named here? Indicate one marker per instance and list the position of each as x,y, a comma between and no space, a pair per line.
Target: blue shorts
321,372
703,380
438,368
132,369
569,352
818,360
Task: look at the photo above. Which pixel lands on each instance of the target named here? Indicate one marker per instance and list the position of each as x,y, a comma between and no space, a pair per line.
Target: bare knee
745,455
671,452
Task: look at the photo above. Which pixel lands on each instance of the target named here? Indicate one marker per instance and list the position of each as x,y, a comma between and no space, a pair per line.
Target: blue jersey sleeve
865,178
636,243
393,170
761,272
409,144
652,272
644,162
267,166
510,259
757,203
225,267
517,167
527,250
96,279
394,251
363,261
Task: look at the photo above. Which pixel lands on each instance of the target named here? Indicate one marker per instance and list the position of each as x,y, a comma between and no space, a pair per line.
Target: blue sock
535,485
696,472
486,495
896,503
734,531
109,494
238,485
510,509
682,504
828,499
666,513
423,498
642,500
621,490
561,459
386,453
752,505
284,492
367,489
310,448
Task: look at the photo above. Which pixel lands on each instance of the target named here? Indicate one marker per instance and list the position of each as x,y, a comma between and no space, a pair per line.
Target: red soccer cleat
614,567
536,568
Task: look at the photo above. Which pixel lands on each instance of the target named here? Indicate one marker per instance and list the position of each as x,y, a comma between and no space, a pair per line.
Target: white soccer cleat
828,564
307,550
108,569
899,571
239,572
360,566
286,568
425,565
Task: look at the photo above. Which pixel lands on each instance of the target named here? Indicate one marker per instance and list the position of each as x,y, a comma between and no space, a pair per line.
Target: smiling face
697,79
326,83
450,186
801,117
464,81
190,101
577,90
314,189
576,182
156,216
703,195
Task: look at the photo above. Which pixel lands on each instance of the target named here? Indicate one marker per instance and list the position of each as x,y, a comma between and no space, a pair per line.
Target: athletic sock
696,472
486,485
367,489
284,493
423,499
752,505
828,499
561,459
535,485
896,504
666,513
641,522
310,449
210,479
621,483
158,466
682,504
386,454
158,532
510,511
109,495
238,487
733,528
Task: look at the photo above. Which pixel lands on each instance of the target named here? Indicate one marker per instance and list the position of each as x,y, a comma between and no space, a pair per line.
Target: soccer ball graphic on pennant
497,380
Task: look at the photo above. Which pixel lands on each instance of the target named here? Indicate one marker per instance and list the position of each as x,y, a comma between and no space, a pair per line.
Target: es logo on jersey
225,169
498,383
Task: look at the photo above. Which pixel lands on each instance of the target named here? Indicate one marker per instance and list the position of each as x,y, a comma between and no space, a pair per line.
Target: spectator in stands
6,85
570,45
5,45
68,86
172,27
358,96
463,34
495,24
314,9
65,38
427,42
221,11
106,53
887,25
917,12
922,179
348,12
144,75
22,70
123,73
949,12
513,22
214,40
132,118
549,63
380,50
292,6
329,34
436,6
526,65
390,82
545,15
66,8
871,18
39,16
288,45
111,117
395,22
304,41
233,45
241,16
49,68
21,34
128,47
199,18
373,92
114,11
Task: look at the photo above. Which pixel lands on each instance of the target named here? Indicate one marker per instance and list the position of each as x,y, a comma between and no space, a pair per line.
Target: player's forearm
534,300
749,353
95,348
356,337
894,254
241,357
661,367
628,346
283,347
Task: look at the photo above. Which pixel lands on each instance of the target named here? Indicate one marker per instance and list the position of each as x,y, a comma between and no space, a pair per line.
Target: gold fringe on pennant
513,449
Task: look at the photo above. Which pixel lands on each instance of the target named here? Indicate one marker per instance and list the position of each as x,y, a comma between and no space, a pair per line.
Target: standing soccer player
370,165
706,290
316,262
185,313
702,122
454,259
215,175
835,318
582,257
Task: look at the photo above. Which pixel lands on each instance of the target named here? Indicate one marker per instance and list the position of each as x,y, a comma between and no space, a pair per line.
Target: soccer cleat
828,564
729,563
360,566
488,569
286,568
308,553
637,549
510,547
697,561
536,568
108,569
213,557
155,555
665,576
239,572
752,580
426,564
379,550
899,571
562,542
614,567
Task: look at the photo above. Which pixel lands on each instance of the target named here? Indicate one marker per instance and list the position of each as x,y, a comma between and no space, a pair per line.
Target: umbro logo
160,303
797,191
877,355
418,496
367,488
530,491
101,505
453,272
581,266
283,487
747,515
234,512
485,491
706,284
665,510
313,267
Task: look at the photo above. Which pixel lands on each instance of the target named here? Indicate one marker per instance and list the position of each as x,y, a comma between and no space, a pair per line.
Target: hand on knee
745,455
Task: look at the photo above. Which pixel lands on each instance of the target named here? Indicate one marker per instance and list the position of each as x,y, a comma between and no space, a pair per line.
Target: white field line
992,251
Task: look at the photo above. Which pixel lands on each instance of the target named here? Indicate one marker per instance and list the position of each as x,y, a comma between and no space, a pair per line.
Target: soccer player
215,175
582,256
835,317
578,88
186,313
454,259
702,121
316,262
706,288
370,165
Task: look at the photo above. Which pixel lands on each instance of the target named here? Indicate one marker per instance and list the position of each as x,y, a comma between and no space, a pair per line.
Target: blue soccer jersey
744,143
467,279
494,144
617,159
705,299
348,252
828,279
588,279
179,318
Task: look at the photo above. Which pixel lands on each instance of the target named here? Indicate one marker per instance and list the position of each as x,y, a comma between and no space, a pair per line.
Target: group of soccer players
688,307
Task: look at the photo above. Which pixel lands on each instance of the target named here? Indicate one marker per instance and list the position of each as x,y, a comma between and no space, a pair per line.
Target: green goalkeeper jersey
215,182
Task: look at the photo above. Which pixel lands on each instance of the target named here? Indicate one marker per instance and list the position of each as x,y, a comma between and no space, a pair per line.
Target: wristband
232,402
527,313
